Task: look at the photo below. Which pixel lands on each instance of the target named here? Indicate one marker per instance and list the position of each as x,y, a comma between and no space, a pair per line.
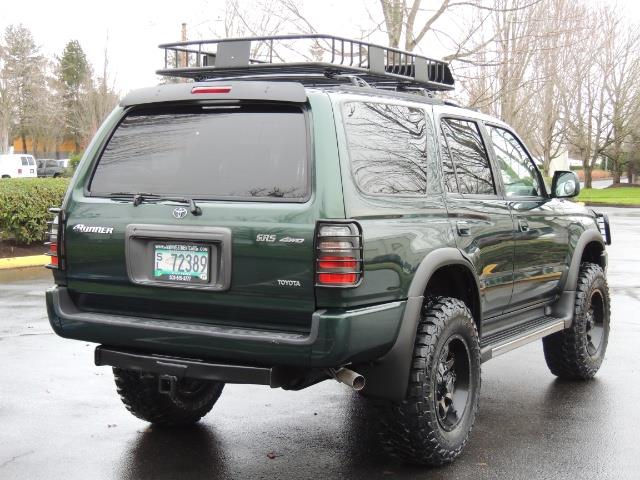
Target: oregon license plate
182,263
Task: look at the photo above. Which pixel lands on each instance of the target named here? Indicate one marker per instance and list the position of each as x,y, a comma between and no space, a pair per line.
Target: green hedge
23,206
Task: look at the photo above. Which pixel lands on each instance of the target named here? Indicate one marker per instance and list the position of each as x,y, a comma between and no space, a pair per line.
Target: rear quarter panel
398,231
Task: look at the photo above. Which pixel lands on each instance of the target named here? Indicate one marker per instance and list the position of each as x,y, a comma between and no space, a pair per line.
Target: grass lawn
619,196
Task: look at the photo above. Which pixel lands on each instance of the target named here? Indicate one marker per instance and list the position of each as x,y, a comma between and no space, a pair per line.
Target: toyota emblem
180,212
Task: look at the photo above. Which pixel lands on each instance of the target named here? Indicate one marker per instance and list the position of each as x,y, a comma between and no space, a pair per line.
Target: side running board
512,338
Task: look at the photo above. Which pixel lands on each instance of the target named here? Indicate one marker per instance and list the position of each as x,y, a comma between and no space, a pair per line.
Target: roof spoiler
230,90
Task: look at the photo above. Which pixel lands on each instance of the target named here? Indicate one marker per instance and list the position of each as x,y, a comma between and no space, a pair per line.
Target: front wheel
432,424
577,352
191,400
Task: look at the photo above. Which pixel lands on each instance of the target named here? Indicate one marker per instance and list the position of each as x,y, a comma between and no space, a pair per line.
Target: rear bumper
336,337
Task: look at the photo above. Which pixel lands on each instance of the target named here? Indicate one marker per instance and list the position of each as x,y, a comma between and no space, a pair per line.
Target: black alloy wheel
452,383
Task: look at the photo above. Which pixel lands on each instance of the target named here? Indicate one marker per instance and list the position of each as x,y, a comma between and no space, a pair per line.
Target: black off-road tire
192,400
571,354
413,429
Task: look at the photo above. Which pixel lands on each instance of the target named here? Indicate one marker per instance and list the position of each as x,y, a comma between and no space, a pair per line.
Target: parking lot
60,416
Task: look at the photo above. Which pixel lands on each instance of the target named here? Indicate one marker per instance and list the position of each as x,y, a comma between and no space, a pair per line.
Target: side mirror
565,184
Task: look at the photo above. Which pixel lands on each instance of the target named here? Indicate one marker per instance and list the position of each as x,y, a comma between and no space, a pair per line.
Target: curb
617,205
23,262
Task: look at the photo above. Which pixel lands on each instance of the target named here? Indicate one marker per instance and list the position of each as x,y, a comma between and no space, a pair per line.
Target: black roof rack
310,59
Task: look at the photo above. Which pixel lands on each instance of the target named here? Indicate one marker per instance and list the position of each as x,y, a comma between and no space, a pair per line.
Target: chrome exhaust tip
349,377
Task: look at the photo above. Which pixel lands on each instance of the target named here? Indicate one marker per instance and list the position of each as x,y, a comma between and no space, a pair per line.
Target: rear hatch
199,213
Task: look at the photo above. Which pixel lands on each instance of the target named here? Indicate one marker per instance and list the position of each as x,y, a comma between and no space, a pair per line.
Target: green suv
287,223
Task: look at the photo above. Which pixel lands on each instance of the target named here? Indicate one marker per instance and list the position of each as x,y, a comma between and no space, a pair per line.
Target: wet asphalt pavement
60,417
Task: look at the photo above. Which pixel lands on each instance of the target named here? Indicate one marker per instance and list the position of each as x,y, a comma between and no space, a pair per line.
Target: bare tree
502,78
561,33
6,104
587,100
622,57
48,119
99,99
24,71
412,22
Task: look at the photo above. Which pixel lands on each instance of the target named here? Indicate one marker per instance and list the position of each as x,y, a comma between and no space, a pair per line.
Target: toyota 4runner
286,223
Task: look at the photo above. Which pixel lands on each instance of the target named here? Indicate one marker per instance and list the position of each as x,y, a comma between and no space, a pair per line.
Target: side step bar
510,339
186,367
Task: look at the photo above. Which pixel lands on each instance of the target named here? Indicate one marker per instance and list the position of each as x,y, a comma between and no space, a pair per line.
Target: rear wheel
578,352
432,424
191,400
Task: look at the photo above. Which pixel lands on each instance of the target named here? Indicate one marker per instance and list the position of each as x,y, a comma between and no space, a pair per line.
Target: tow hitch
167,384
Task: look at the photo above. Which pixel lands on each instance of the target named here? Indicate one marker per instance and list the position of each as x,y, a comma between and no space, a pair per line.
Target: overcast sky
132,30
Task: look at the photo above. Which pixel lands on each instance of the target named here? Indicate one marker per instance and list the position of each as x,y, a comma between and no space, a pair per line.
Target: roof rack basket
311,59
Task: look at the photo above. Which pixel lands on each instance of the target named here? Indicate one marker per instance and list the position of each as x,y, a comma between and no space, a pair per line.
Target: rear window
391,149
215,152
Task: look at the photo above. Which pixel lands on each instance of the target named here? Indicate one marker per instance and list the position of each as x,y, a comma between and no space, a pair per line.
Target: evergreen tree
73,73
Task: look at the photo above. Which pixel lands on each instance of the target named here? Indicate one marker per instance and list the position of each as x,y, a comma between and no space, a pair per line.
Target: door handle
524,225
463,229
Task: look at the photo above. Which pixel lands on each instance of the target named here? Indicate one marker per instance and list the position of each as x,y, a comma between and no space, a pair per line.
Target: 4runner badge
86,229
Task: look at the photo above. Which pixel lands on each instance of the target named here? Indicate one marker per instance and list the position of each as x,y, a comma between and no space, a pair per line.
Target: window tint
469,156
389,150
519,175
204,152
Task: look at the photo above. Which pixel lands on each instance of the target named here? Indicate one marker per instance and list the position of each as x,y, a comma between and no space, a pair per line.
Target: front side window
466,149
25,161
390,148
250,153
519,175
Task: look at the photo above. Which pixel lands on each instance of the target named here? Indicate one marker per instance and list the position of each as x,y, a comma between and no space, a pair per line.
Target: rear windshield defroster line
251,153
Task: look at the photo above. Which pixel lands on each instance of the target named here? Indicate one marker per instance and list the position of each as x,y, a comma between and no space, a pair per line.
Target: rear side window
465,148
249,153
389,148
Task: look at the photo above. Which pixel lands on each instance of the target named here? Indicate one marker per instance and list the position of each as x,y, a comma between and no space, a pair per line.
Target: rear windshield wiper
138,198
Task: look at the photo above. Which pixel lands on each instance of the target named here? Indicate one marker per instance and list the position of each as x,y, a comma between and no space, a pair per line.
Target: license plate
182,263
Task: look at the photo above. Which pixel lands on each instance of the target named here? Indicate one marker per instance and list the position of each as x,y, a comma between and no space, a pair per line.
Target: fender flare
433,261
586,237
388,377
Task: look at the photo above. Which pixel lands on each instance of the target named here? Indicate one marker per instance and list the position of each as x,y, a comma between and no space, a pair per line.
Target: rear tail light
20,173
54,241
338,255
